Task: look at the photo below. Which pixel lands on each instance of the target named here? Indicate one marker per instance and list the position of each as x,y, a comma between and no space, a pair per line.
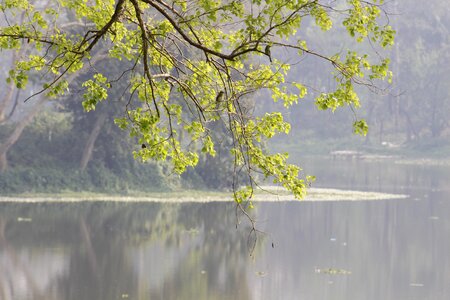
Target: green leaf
360,127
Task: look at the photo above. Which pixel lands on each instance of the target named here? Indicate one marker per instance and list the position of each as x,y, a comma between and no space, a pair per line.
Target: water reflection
326,250
113,251
394,250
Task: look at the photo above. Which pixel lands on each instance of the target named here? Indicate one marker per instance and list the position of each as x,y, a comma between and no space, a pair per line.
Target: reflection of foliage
106,243
216,268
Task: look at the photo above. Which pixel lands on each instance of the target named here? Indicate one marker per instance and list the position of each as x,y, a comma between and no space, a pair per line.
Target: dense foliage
46,160
188,70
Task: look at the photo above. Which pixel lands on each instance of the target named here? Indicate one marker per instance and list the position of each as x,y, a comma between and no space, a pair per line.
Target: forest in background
408,117
53,145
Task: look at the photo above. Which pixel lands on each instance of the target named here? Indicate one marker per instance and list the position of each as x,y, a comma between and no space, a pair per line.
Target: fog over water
384,249
397,249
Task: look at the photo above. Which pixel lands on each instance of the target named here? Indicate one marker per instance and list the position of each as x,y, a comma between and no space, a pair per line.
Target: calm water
381,250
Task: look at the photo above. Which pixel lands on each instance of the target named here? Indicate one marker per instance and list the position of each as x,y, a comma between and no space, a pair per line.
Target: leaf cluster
195,63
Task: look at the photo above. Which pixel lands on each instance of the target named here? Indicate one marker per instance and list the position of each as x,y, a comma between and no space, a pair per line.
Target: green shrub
96,178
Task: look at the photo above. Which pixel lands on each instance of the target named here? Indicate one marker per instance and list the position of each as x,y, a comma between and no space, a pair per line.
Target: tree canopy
188,65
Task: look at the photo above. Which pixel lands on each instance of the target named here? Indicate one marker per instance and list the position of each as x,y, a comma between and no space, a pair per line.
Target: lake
380,250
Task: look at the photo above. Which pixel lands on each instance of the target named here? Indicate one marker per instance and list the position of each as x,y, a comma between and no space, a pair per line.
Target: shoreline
271,194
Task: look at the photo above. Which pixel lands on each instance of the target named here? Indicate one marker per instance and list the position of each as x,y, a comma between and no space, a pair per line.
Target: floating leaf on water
332,271
416,284
192,231
261,273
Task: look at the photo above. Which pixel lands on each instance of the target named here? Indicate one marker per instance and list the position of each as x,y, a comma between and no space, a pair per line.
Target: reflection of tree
216,267
17,271
97,269
112,250
389,246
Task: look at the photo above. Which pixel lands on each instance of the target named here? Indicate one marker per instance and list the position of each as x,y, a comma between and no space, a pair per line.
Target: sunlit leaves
362,22
387,36
381,71
124,42
191,67
39,19
56,89
96,91
20,78
302,90
14,4
243,194
7,34
269,125
122,123
162,144
340,97
360,127
98,12
208,146
321,17
195,129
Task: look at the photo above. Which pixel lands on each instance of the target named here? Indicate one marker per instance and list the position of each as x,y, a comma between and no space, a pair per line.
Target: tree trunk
381,132
17,132
89,147
411,132
92,257
6,102
20,126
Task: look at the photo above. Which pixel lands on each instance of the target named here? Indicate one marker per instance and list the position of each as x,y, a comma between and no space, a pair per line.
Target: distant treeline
411,112
53,146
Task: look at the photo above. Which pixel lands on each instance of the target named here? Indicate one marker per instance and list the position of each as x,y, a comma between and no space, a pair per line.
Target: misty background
53,145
